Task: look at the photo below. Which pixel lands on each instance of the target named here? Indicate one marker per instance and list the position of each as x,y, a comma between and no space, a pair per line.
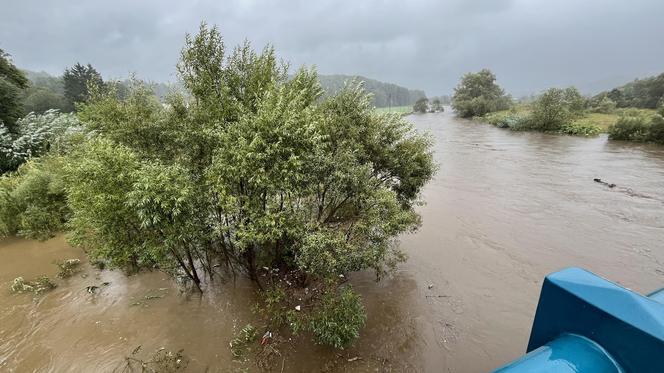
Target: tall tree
478,94
77,81
421,105
12,82
254,173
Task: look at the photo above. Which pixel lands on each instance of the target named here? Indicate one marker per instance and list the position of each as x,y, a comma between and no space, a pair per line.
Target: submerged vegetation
37,286
253,173
634,125
566,111
478,94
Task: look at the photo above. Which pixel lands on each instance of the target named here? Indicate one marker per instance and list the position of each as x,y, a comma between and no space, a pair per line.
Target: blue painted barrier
587,324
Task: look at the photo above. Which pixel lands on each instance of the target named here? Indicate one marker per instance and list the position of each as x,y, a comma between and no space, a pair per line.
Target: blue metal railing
587,324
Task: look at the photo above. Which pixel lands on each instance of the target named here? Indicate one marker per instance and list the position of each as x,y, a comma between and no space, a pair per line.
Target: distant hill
641,93
384,94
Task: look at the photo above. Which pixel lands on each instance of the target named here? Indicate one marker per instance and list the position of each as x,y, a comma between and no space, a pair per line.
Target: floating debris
38,286
92,289
68,267
266,338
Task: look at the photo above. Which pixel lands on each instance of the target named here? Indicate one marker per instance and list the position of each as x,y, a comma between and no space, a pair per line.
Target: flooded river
505,209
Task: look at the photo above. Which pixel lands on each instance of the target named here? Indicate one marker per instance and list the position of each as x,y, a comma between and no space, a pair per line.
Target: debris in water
92,289
610,185
298,308
161,360
354,359
68,267
266,337
38,286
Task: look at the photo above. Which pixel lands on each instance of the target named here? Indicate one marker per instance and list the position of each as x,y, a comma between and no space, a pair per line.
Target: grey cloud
423,44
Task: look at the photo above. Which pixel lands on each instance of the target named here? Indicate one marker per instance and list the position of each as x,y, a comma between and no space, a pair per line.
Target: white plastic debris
298,308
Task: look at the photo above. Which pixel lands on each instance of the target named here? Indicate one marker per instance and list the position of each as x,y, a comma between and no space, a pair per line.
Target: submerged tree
254,173
421,106
478,94
555,108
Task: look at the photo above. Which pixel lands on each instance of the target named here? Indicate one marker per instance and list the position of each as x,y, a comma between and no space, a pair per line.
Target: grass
604,121
601,120
395,109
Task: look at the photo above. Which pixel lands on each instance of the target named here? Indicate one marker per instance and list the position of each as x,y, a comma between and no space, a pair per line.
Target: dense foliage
437,105
252,173
556,108
33,136
637,126
12,82
478,94
421,106
33,200
77,81
382,94
641,93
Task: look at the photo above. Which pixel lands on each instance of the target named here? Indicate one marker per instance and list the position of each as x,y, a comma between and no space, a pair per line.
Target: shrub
580,128
555,108
630,126
509,119
605,106
478,94
421,106
338,321
32,200
656,130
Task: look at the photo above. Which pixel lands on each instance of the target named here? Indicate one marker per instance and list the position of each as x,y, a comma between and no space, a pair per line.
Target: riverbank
588,124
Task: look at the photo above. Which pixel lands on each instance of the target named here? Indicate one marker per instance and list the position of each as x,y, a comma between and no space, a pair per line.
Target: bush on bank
634,125
253,174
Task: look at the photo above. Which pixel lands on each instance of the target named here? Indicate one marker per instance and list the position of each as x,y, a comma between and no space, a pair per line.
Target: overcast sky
428,45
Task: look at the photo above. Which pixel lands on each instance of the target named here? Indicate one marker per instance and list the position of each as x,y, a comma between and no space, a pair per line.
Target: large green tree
421,106
78,80
254,172
478,94
12,83
555,108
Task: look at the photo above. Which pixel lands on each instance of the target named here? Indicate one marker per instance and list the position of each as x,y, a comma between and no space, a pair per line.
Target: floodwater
505,209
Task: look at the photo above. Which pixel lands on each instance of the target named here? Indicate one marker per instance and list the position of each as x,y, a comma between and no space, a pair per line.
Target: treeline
566,111
383,94
644,93
251,172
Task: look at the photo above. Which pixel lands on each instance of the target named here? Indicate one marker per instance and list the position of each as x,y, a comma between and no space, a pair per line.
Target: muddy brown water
504,210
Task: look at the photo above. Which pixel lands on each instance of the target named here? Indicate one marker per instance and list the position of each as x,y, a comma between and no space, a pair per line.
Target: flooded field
505,209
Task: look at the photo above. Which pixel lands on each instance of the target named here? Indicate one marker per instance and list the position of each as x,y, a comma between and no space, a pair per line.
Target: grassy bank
404,110
588,124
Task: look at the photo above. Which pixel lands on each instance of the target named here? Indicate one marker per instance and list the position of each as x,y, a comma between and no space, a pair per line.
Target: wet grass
601,120
395,109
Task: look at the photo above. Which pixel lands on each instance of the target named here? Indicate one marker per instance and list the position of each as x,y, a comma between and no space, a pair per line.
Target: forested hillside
384,94
641,93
